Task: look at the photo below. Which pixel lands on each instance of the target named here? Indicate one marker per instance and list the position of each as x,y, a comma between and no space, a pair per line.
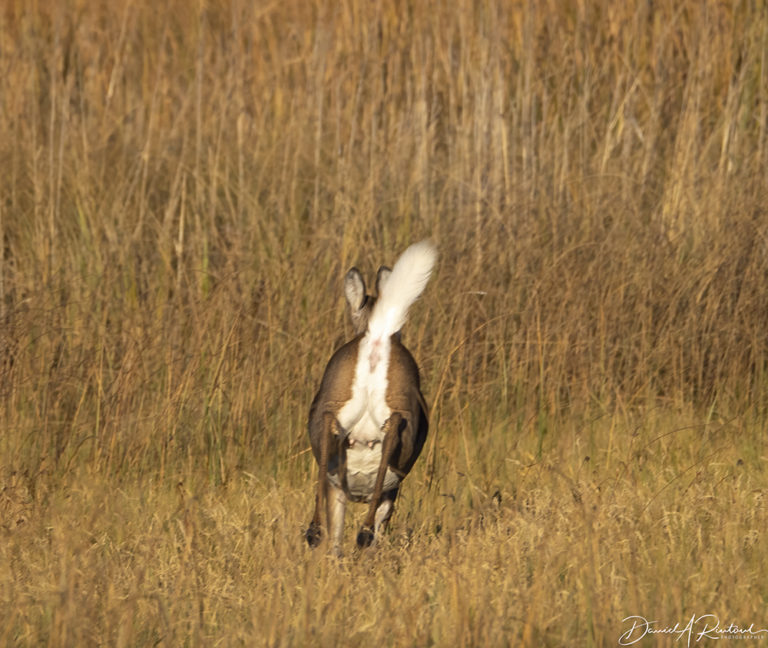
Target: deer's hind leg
381,506
384,513
337,506
314,533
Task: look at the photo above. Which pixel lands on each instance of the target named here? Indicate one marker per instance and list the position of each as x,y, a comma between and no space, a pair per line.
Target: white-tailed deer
368,421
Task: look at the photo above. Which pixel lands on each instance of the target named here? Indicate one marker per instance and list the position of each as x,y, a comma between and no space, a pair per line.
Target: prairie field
183,186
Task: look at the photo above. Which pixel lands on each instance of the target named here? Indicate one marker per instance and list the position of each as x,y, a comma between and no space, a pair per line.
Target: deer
368,421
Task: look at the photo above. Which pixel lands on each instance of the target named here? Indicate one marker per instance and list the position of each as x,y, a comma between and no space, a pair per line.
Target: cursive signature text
706,626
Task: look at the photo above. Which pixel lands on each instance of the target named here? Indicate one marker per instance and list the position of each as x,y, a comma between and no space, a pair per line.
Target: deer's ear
381,279
354,289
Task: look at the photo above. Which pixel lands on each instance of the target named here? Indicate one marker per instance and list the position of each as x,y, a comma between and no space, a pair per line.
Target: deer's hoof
365,537
314,534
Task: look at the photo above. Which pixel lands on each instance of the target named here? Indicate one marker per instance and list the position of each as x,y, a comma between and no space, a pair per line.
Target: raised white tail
401,289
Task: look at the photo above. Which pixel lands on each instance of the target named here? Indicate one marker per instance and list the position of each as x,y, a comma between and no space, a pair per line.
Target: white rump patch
364,415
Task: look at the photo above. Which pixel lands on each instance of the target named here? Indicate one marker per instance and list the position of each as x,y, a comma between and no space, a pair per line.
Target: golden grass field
183,186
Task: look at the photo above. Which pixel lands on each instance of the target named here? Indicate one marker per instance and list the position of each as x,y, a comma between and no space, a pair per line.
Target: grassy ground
184,186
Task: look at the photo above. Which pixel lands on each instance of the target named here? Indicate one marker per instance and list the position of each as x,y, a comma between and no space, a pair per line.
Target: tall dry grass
183,188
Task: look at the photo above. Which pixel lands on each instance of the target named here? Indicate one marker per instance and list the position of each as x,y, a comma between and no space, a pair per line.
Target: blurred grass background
183,187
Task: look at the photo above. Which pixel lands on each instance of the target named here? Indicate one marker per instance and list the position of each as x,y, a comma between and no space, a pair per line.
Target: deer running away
368,421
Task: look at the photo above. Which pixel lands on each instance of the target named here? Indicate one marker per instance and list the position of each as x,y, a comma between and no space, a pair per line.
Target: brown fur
405,430
404,396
